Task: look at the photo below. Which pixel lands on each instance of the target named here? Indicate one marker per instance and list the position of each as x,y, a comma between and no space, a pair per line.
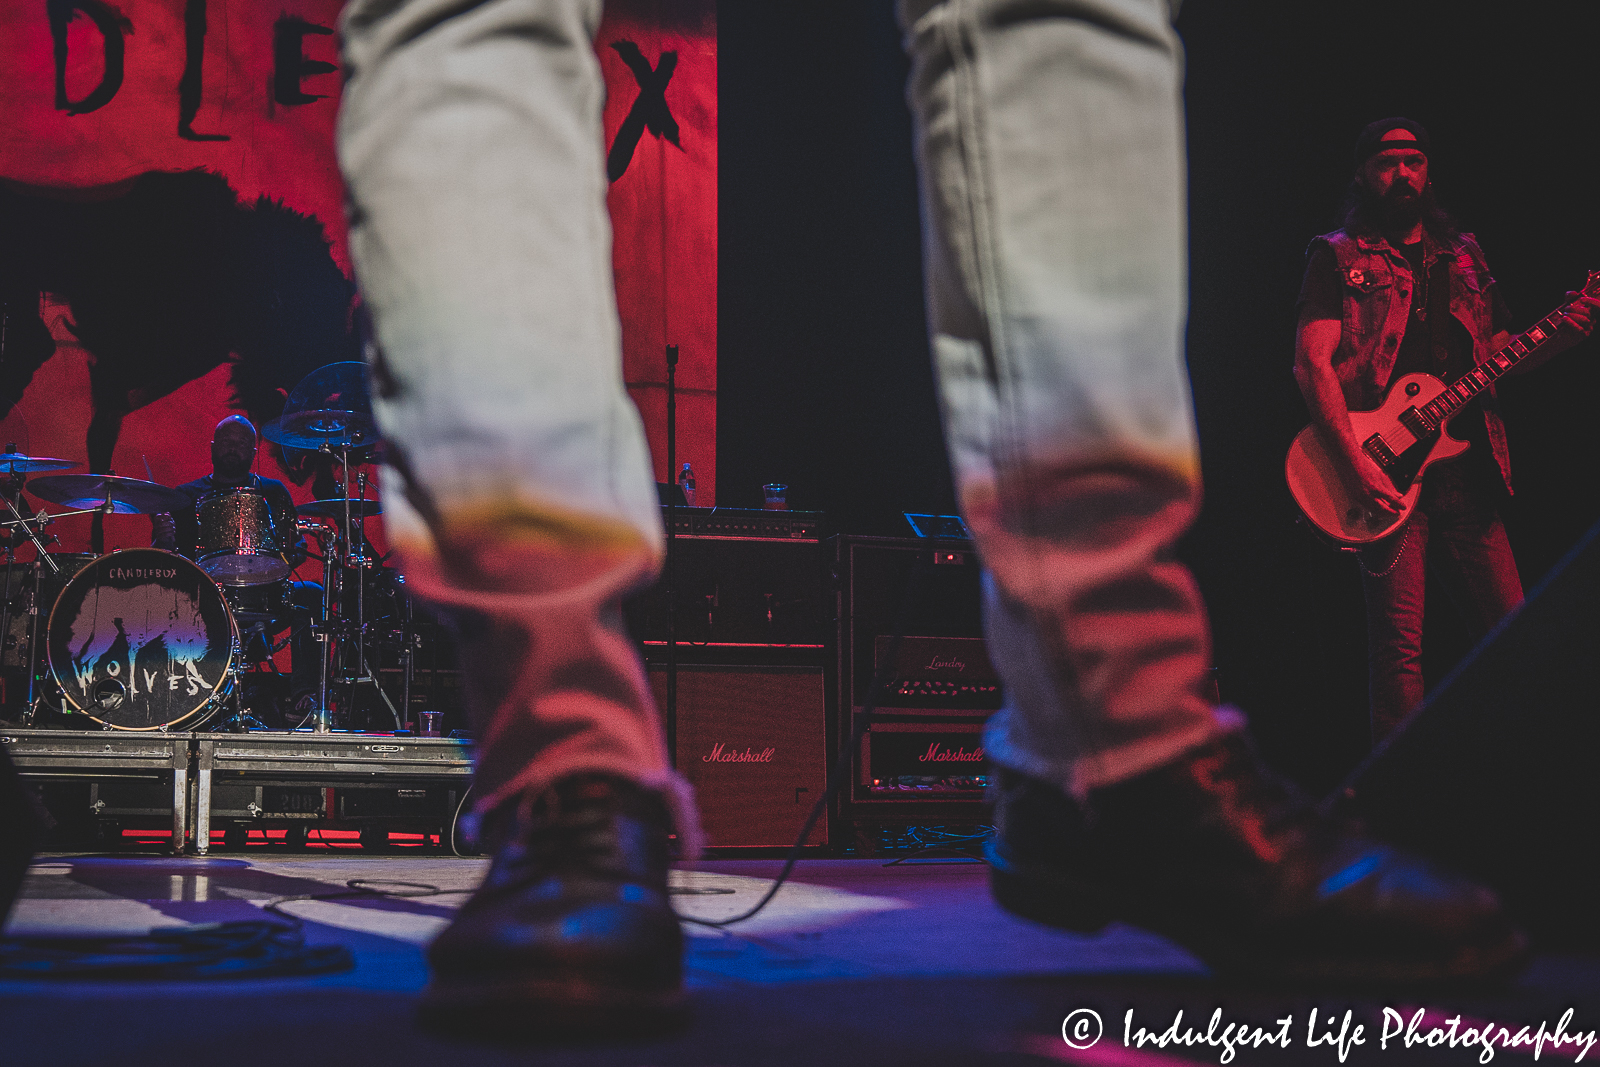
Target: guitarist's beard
1364,209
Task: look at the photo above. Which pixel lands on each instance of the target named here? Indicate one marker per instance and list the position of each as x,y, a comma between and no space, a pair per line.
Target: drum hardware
336,507
241,721
40,520
329,412
343,639
31,633
15,464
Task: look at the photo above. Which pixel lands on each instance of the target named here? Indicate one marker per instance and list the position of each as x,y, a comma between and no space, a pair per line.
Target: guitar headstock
1591,284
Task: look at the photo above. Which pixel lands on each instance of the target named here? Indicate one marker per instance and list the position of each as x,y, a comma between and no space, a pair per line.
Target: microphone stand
670,712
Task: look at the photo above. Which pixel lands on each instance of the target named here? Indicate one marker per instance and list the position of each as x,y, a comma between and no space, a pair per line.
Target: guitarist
1399,290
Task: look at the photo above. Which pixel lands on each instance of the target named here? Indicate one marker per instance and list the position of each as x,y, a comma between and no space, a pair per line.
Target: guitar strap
1439,315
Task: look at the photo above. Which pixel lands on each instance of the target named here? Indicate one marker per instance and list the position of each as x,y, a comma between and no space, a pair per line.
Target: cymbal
324,427
128,496
17,463
334,508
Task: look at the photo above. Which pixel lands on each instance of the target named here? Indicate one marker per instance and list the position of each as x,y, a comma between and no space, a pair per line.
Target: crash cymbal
17,463
128,496
330,408
322,428
335,508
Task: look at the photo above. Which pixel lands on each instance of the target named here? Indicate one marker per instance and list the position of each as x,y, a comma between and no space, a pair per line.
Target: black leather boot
1221,856
571,933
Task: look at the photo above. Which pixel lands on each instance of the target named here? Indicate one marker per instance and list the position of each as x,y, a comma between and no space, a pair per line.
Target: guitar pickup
1381,453
1418,423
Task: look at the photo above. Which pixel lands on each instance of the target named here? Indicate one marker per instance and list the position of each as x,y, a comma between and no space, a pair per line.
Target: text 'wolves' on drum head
140,640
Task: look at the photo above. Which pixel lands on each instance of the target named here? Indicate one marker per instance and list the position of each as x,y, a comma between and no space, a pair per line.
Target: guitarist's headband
1371,141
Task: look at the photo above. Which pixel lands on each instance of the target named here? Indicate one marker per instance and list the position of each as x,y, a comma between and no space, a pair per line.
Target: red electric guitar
1404,436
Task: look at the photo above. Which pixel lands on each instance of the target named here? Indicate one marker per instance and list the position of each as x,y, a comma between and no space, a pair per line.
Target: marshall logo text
721,754
935,754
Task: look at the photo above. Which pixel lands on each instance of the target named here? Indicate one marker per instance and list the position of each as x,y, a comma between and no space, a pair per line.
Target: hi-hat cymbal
322,428
128,496
335,508
17,463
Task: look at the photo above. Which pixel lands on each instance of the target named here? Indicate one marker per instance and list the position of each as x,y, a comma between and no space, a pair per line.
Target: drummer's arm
163,531
173,530
186,529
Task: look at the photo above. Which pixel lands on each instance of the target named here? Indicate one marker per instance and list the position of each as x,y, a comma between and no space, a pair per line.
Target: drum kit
148,640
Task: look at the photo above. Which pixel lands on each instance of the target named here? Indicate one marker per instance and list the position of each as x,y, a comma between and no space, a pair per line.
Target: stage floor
854,962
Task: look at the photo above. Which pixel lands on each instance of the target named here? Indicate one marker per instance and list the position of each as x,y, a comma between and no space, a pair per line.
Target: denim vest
1376,282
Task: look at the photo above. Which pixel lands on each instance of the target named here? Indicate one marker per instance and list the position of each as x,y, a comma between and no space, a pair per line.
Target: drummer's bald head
233,448
235,424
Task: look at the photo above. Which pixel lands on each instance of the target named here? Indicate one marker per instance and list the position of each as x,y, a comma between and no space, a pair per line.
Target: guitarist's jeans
1052,162
1456,533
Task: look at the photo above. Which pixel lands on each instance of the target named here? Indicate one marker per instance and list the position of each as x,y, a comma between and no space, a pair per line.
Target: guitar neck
1461,391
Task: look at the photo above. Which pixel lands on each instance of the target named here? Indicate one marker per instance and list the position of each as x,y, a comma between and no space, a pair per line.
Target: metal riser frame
191,763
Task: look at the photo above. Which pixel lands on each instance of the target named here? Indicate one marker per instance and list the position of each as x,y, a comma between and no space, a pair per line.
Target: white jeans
1050,148
1052,169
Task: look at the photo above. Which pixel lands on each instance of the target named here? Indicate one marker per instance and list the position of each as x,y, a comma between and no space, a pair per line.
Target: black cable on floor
841,764
361,887
455,821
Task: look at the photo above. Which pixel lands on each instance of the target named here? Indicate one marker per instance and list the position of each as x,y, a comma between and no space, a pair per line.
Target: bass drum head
140,640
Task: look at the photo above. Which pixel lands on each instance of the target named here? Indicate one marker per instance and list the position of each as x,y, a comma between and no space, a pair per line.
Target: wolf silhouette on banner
167,277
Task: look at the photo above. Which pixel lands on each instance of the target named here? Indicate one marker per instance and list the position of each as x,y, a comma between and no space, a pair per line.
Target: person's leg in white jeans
519,494
1052,163
519,490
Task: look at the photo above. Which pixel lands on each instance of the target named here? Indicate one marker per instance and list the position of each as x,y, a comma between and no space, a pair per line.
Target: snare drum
236,541
141,640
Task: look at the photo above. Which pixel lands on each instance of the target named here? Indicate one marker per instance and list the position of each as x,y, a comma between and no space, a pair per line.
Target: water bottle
686,483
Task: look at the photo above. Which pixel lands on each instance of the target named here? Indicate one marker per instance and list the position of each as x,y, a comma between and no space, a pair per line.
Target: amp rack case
921,761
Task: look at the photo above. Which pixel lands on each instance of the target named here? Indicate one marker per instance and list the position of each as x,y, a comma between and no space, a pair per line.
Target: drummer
233,454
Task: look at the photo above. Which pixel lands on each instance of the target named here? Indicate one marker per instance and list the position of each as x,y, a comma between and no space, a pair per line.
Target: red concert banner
172,245
660,63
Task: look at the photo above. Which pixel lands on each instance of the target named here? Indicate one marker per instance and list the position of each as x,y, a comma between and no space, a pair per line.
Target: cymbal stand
344,549
36,594
241,721
321,629
356,561
42,519
5,601
408,651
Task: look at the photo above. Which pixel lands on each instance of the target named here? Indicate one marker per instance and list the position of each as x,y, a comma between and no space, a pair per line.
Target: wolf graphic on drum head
141,640
140,618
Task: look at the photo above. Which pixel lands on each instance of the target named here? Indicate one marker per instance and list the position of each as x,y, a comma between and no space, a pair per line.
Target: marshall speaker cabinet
751,613
921,760
751,739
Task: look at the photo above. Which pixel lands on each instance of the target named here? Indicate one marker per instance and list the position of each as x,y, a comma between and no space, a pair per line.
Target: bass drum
141,640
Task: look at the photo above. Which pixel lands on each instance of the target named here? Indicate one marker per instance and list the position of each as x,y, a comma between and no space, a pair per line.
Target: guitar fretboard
1461,391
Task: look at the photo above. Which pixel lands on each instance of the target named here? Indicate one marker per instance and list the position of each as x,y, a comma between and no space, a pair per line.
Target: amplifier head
937,672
